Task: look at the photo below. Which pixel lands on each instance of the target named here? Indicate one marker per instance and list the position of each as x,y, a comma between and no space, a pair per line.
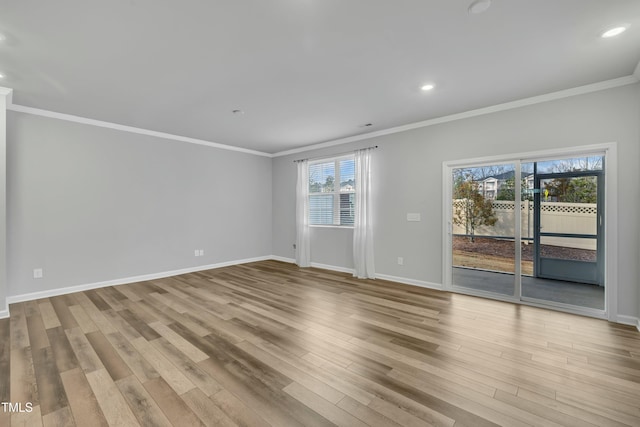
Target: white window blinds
332,191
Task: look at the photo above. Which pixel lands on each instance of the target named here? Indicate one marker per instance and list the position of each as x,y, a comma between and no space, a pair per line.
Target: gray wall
90,204
408,178
3,205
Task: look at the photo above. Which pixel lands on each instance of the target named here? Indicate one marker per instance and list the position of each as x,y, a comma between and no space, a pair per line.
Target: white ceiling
303,71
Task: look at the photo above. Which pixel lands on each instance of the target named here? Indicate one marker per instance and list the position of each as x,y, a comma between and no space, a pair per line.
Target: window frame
336,190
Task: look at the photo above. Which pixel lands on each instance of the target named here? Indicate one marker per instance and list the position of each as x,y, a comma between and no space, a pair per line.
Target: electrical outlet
400,260
196,252
37,273
201,252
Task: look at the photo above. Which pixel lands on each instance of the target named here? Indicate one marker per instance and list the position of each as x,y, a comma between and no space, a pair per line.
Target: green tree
328,185
474,211
314,186
507,190
573,190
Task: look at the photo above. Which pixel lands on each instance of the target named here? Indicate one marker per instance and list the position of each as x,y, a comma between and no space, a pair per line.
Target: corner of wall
5,98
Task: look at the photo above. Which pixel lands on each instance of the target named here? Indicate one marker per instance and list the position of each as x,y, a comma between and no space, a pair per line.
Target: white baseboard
629,320
404,280
79,288
414,282
315,264
332,267
283,259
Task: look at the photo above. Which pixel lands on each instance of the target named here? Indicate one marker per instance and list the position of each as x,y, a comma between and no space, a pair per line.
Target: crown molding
130,129
566,93
580,90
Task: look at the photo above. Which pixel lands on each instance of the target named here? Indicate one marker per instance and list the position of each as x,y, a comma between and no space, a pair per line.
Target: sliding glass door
483,224
529,230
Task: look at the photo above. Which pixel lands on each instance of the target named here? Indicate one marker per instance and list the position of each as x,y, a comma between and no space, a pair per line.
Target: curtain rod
336,155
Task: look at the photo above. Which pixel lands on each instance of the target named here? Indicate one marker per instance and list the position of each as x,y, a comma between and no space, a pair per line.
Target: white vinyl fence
555,217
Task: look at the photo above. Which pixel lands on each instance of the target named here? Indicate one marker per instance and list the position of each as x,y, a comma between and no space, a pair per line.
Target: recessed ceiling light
2,37
613,32
1,76
479,6
427,87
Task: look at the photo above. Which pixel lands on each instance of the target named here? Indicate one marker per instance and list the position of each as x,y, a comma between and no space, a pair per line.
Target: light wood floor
269,344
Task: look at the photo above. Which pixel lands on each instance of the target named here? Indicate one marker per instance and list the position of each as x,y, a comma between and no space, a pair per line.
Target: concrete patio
582,295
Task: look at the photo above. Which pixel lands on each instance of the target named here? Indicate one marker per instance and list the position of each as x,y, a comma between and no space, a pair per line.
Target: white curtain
363,227
303,247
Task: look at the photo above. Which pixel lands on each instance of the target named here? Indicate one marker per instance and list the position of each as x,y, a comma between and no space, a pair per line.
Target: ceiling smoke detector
479,6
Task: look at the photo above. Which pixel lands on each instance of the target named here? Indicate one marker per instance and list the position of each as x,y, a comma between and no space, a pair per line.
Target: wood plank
82,319
323,407
83,403
365,413
86,355
144,407
134,360
5,418
126,329
37,332
51,393
114,300
61,306
18,324
94,314
128,293
253,394
24,386
191,351
60,418
206,410
176,410
108,355
192,371
269,344
67,320
62,351
176,379
49,316
97,300
26,419
301,377
5,360
113,404
237,410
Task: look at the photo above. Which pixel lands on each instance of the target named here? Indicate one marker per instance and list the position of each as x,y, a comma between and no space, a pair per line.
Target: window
332,191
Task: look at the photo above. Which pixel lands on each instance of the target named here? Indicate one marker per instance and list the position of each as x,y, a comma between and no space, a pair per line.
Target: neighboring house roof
507,175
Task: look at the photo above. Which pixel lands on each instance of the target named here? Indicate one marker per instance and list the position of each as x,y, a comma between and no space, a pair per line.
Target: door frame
538,233
609,151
